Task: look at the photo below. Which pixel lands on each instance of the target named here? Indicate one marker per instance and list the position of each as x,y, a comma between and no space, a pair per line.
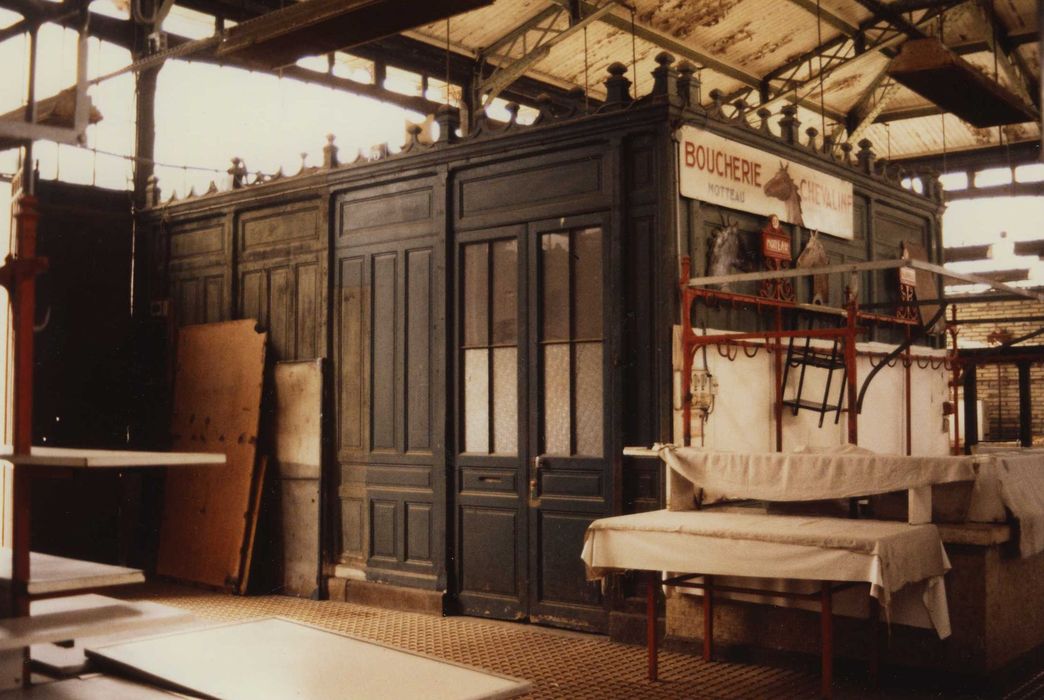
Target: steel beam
869,266
507,73
1009,61
828,17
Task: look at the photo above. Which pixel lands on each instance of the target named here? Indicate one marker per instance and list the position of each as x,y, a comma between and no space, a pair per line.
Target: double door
532,461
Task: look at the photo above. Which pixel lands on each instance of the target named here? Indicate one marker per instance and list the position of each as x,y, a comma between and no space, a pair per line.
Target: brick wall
998,385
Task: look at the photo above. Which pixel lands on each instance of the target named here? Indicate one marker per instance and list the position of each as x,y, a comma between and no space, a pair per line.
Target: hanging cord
448,61
822,100
587,88
634,56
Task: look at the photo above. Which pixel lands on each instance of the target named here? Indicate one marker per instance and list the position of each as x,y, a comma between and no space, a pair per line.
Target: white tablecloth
1014,481
809,475
890,556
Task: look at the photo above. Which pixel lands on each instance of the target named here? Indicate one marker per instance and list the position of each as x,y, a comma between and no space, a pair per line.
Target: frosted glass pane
556,399
475,304
587,273
505,292
476,400
589,410
505,401
555,291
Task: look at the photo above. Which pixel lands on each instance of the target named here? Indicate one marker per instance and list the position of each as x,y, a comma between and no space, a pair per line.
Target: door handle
534,481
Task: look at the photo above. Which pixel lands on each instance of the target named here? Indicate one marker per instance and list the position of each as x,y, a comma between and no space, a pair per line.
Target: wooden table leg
826,620
708,618
651,585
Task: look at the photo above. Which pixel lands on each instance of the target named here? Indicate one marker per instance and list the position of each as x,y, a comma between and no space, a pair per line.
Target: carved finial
212,188
812,133
662,74
544,106
512,108
578,99
789,124
330,152
688,85
304,165
866,156
764,113
448,119
413,132
237,173
717,103
828,145
617,86
741,111
846,153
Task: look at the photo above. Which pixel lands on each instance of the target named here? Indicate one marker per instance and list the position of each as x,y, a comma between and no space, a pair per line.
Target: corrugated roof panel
482,27
1018,15
844,88
739,32
924,135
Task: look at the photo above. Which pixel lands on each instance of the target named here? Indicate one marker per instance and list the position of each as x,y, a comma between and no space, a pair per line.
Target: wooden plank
217,401
51,574
298,454
77,458
274,658
258,488
58,619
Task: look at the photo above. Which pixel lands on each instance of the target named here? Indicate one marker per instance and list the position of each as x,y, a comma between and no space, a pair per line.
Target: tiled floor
563,664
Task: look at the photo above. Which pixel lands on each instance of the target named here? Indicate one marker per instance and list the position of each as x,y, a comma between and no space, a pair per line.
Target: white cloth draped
1012,480
811,474
890,556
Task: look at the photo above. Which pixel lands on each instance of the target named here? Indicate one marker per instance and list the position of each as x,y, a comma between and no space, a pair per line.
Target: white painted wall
742,419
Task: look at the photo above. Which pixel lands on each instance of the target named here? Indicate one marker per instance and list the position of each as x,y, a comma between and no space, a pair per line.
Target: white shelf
88,615
77,458
51,574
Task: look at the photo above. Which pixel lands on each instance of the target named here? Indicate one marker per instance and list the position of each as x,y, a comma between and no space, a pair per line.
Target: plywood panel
277,659
298,455
217,399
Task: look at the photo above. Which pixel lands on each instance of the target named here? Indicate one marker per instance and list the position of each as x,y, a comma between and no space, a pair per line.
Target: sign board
908,276
723,172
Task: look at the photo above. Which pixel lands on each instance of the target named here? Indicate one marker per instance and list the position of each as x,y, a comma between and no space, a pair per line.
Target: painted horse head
783,187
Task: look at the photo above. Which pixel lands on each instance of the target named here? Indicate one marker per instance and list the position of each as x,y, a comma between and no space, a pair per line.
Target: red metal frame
825,596
18,275
690,342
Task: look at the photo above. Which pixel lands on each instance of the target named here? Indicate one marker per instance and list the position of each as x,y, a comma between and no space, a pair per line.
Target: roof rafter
828,17
876,34
1009,61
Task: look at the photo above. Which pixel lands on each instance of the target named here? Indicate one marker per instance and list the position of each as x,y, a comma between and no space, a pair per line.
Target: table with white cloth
890,557
901,565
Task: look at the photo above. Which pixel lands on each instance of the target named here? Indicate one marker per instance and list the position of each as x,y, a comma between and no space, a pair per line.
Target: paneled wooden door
531,467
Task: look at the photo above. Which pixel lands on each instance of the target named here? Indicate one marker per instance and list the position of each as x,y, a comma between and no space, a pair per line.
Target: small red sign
775,246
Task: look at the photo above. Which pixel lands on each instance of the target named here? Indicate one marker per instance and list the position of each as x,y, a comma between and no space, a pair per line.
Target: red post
651,584
23,291
826,620
850,366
